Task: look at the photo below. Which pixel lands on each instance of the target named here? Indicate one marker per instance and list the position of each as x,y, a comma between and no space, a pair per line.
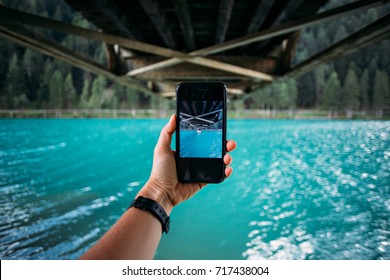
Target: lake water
299,190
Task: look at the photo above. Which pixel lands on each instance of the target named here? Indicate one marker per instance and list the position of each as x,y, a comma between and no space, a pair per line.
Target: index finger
164,141
230,145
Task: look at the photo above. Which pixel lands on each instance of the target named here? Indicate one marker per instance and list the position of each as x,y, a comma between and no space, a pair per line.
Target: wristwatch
154,208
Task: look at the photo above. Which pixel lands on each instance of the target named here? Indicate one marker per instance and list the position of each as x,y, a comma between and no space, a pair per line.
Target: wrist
155,193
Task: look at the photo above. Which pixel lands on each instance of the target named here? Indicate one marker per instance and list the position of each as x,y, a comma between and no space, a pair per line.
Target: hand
163,185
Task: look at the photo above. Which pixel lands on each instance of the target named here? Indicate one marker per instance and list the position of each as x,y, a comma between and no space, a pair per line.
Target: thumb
164,141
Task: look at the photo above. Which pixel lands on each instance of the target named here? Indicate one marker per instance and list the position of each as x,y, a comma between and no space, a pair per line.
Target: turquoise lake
299,190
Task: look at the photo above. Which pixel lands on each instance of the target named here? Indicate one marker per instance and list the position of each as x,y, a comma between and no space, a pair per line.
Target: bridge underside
152,45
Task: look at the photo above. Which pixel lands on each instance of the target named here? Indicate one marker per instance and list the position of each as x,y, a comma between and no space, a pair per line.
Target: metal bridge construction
152,45
201,115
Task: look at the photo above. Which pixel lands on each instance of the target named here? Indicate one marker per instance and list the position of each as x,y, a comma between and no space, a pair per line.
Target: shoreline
298,114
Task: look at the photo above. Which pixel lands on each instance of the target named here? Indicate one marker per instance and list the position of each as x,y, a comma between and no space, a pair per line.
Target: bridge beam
157,17
225,12
21,35
260,15
183,14
18,16
376,31
267,34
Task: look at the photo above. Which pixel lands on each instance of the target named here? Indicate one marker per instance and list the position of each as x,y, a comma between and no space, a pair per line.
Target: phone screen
201,124
201,132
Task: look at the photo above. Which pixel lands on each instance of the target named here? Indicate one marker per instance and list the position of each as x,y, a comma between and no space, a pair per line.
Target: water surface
299,190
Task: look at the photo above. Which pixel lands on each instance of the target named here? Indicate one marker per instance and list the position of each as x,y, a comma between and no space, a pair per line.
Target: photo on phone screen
201,124
200,131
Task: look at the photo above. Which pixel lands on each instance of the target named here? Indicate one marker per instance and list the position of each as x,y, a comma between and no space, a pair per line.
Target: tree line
31,80
360,81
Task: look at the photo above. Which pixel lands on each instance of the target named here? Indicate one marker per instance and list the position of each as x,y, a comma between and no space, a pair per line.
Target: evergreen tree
98,86
281,95
322,40
3,73
119,93
352,65
258,99
43,90
109,99
384,61
84,98
365,101
319,76
293,93
380,99
77,43
340,34
20,101
26,77
273,98
33,64
263,98
132,98
70,95
351,92
370,16
15,84
332,92
155,102
306,91
266,94
56,89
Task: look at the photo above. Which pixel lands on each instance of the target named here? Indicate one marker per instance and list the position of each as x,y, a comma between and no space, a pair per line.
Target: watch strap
154,208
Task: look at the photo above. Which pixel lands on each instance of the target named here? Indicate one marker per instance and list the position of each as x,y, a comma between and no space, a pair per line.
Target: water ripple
300,190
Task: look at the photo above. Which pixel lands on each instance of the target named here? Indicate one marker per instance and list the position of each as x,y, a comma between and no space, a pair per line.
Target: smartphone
200,132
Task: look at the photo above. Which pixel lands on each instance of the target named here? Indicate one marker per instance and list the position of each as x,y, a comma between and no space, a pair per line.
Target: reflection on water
64,182
324,193
300,190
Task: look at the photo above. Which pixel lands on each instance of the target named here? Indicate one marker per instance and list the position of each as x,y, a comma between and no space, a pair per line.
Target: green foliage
28,79
132,98
280,95
381,95
98,87
20,101
320,78
341,33
109,100
370,59
70,92
43,90
351,90
293,93
56,90
84,98
365,100
33,66
332,92
262,98
15,96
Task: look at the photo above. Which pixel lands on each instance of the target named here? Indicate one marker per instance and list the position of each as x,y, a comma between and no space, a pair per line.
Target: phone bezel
185,91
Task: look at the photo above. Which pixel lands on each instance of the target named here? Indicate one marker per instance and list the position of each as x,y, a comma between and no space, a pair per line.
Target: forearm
135,235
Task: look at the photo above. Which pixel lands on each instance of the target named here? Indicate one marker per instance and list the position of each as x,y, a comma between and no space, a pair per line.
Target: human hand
163,185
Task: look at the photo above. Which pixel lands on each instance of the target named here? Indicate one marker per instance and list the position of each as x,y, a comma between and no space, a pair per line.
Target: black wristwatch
153,207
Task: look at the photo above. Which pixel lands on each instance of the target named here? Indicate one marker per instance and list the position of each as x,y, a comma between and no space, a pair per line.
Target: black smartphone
200,132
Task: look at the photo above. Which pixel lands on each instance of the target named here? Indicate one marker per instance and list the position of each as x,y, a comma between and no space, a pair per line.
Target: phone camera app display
201,124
